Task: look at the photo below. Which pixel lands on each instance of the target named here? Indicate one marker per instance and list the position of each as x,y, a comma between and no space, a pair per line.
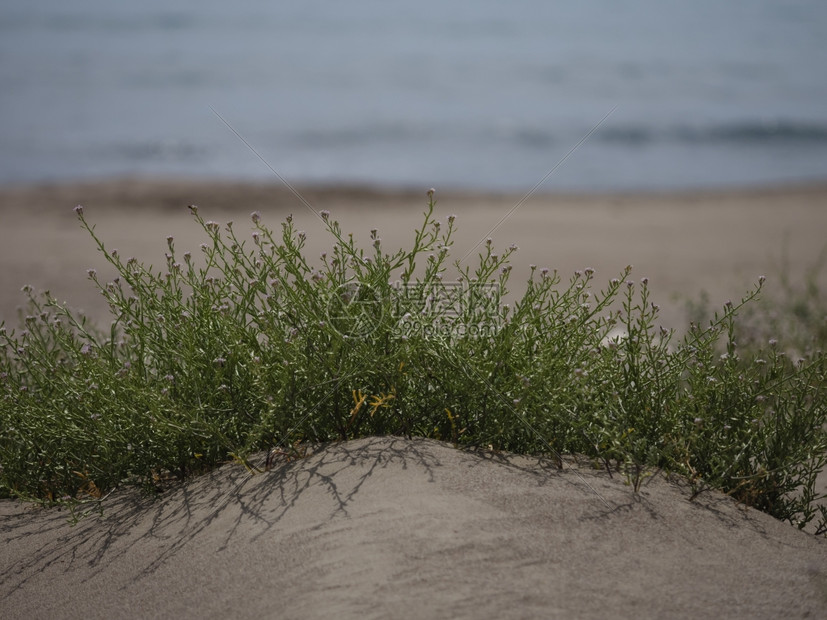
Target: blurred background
464,94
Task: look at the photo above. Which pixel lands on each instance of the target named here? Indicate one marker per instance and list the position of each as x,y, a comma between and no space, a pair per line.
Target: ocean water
644,94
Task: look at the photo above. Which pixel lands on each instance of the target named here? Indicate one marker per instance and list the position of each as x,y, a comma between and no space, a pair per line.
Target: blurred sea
461,94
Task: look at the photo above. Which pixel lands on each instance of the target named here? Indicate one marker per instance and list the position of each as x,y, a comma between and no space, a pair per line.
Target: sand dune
392,528
397,528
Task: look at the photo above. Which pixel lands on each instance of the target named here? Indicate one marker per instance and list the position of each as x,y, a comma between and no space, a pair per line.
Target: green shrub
251,347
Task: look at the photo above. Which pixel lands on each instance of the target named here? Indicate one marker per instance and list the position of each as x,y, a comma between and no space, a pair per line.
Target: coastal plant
250,345
794,312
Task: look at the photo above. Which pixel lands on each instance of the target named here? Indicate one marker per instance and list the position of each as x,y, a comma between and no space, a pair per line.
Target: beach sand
684,243
401,528
397,528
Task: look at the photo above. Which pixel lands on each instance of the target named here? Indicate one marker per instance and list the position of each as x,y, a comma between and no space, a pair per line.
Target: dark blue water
467,94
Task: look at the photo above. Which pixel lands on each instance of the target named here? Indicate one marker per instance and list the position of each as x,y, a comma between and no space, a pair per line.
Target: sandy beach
390,527
718,242
396,528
